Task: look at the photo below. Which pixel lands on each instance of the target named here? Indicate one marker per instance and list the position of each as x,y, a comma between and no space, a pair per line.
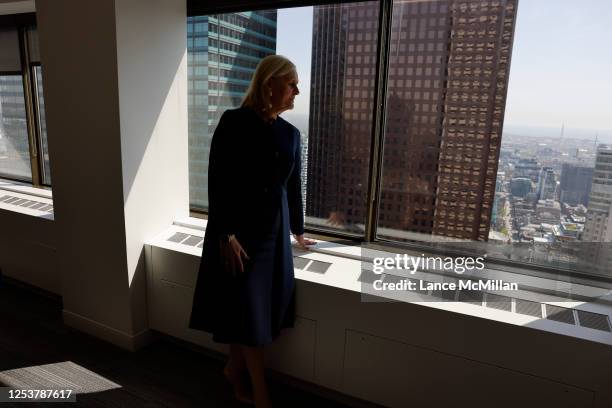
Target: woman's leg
234,372
235,365
254,357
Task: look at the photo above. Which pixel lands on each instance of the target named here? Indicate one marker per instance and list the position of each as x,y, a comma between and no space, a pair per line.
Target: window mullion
378,127
29,107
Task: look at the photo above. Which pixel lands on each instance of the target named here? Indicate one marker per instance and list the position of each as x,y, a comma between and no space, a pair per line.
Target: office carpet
37,350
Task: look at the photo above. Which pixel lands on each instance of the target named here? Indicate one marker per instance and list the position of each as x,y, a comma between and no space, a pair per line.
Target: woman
245,289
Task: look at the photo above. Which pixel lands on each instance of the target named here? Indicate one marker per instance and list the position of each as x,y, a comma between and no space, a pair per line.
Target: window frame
379,121
22,23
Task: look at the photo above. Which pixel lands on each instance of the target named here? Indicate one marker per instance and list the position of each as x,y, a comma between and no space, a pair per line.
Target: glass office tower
223,52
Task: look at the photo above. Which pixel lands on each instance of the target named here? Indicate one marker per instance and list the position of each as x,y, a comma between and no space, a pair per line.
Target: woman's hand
233,256
304,243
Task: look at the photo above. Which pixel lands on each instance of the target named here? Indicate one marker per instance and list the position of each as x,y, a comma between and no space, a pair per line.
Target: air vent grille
178,237
417,284
392,278
299,262
521,306
192,240
318,267
499,302
444,294
528,308
367,276
186,239
593,320
471,296
22,202
560,314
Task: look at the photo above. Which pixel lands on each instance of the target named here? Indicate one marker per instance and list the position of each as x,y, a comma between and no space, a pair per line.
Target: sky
562,65
561,69
294,41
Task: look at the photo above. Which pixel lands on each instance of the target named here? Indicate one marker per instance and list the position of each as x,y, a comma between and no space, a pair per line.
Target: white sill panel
25,210
344,272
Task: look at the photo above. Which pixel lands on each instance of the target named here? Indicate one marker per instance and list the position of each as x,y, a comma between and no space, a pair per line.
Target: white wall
27,250
116,106
152,66
27,244
400,354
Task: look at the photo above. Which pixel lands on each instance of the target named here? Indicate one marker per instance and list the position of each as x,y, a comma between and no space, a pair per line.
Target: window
23,137
14,147
449,168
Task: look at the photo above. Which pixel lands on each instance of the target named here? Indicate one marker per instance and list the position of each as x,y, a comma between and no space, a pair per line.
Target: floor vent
22,202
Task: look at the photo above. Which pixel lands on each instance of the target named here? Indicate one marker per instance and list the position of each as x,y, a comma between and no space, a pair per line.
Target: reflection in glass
344,44
42,125
14,147
223,51
448,77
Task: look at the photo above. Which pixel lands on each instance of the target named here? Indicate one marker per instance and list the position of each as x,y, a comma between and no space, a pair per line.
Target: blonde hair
270,67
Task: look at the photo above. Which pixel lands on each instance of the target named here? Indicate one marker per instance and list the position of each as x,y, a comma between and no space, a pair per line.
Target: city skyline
434,151
535,106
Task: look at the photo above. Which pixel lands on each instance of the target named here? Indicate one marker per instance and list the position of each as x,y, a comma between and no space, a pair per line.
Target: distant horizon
603,136
557,76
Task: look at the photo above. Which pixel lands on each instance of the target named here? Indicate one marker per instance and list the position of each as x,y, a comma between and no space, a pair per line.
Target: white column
114,75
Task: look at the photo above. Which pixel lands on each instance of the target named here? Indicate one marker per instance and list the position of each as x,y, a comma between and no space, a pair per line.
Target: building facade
547,186
447,81
575,184
598,227
223,51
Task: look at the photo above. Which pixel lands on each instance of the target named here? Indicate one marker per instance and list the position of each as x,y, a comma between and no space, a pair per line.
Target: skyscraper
529,168
447,81
547,186
575,184
223,52
598,226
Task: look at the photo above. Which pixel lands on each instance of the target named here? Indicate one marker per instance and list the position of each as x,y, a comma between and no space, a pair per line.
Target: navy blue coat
254,192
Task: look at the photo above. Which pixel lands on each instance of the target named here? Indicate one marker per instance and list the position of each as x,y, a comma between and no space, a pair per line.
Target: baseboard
130,342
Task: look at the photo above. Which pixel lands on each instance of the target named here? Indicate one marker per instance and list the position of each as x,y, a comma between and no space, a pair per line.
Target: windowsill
346,267
561,288
33,197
